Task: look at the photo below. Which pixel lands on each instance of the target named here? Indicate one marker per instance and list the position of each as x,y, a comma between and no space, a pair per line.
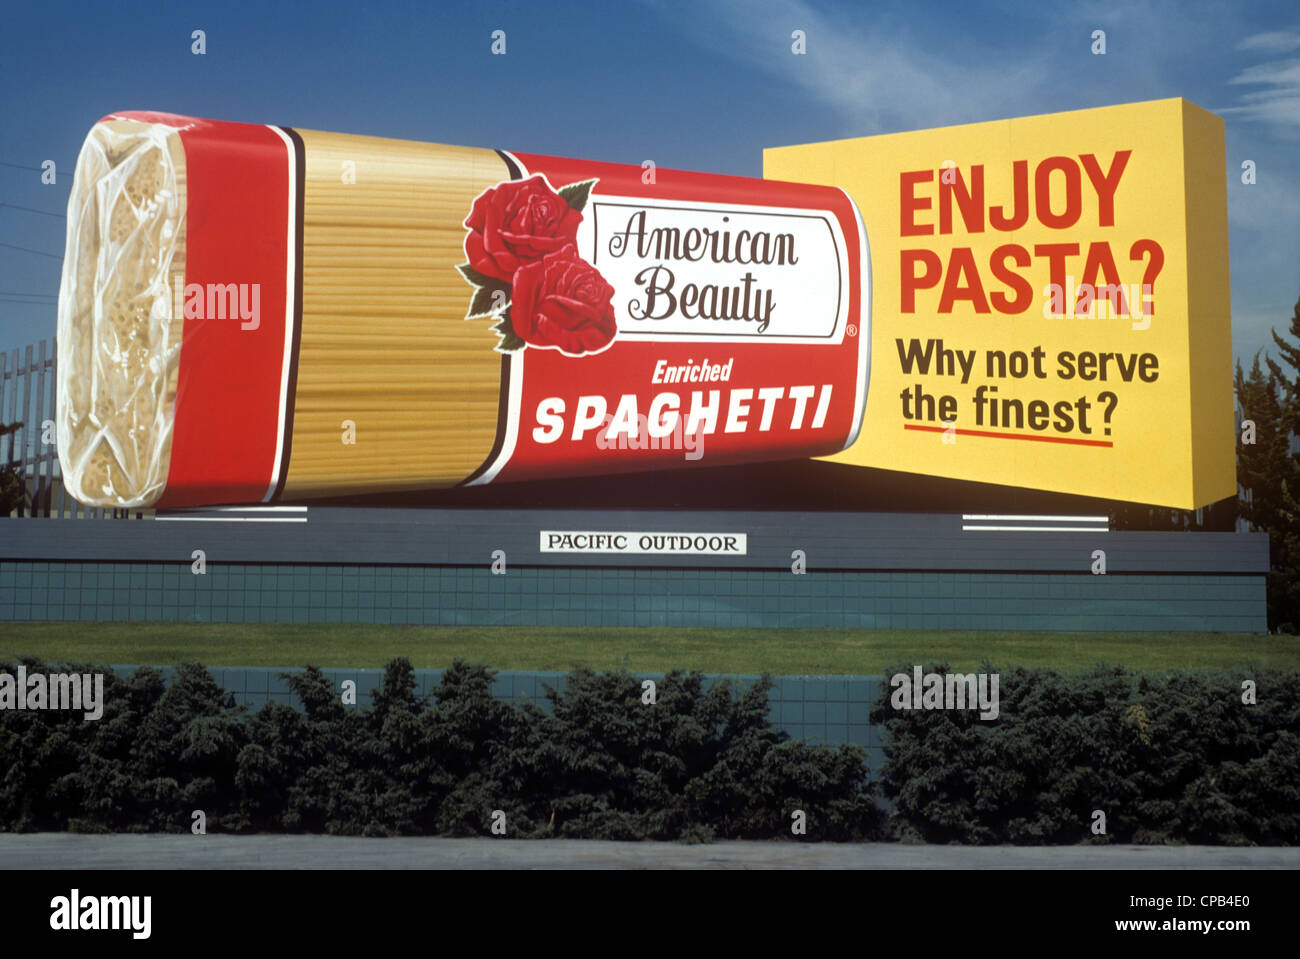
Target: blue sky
702,85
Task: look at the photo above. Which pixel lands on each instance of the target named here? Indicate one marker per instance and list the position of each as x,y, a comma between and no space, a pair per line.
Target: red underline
1011,436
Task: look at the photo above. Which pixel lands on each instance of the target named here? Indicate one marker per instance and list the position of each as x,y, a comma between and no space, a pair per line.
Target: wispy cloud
878,78
1273,41
1277,103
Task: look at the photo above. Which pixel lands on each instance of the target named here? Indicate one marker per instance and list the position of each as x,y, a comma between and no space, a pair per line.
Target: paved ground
69,851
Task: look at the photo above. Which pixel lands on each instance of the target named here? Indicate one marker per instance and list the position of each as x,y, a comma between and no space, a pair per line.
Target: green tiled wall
822,709
548,596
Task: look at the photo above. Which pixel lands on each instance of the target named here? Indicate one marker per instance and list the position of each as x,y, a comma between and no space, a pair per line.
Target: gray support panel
433,537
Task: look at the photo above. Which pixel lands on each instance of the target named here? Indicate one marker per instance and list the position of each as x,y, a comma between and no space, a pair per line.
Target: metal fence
28,384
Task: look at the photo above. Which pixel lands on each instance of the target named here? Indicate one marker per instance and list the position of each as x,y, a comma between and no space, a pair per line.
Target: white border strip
1035,529
231,519
253,514
513,401
864,323
516,395
1046,519
290,301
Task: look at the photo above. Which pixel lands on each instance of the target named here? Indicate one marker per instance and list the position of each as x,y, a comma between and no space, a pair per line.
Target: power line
5,299
20,166
28,209
43,296
52,256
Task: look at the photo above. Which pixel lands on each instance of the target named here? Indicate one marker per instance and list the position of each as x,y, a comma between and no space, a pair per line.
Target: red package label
697,318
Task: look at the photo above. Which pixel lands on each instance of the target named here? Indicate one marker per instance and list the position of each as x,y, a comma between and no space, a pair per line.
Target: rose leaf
479,279
489,299
510,340
575,194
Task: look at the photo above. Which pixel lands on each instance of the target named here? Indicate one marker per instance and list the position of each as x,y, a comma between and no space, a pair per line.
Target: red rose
562,301
515,223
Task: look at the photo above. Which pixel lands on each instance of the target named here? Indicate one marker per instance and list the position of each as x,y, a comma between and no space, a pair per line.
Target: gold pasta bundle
252,313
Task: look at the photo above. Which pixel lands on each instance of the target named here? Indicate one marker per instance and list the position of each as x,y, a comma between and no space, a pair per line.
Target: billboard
1051,300
250,313
253,313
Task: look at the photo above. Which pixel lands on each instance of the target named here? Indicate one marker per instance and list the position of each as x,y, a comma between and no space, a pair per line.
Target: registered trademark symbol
852,330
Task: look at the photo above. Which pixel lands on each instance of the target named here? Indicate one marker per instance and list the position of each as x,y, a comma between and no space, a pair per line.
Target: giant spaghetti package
253,313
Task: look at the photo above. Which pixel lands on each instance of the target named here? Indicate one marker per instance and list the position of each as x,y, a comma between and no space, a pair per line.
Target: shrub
700,762
1169,757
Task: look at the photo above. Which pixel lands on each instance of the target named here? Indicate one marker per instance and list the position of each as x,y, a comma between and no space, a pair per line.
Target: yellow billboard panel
1050,302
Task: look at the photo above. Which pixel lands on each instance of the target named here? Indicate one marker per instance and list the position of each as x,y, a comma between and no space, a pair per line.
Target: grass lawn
778,651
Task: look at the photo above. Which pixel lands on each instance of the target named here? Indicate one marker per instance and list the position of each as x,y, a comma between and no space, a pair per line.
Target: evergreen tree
1269,472
12,490
1259,464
